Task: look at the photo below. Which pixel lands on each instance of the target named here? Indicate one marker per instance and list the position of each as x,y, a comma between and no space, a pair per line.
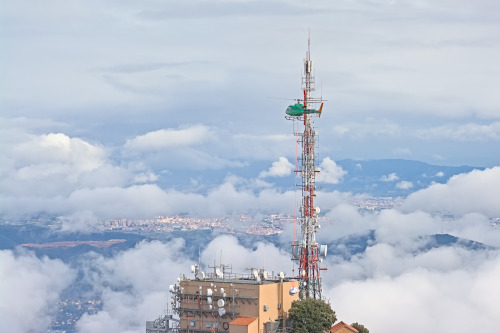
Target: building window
208,324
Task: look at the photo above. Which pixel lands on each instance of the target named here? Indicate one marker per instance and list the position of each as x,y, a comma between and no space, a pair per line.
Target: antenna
307,251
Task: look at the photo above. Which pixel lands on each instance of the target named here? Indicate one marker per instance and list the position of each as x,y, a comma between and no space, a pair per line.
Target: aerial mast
307,251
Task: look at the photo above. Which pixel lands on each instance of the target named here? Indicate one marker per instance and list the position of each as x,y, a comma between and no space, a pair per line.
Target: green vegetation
360,328
311,316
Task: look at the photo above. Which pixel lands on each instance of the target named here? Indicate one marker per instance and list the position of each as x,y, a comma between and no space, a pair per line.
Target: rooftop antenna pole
307,251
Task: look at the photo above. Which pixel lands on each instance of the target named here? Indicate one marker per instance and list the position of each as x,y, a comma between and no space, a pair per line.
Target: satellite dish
171,288
193,268
222,312
323,249
222,290
258,279
200,275
282,275
209,300
264,275
220,302
218,273
209,292
210,307
293,291
255,274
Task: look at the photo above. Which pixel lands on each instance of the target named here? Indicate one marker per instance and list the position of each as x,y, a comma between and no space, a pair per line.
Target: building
343,328
225,302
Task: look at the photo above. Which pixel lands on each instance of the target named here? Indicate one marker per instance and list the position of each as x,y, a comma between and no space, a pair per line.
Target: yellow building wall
269,293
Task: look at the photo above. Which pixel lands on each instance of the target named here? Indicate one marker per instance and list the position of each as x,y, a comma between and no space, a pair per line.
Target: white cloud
466,132
170,138
30,290
439,174
390,177
281,168
134,285
461,292
476,191
330,172
404,185
262,255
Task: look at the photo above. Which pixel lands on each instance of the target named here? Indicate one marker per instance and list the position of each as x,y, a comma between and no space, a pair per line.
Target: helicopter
298,110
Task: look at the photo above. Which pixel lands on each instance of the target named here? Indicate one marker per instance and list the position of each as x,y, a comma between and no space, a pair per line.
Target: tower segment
307,251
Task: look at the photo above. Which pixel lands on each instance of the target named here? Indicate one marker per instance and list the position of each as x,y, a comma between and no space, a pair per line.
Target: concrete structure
225,302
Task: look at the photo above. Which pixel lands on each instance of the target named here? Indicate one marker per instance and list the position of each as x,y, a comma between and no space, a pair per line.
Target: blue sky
121,94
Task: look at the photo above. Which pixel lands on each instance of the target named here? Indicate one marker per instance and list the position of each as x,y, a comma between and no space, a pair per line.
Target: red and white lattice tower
307,252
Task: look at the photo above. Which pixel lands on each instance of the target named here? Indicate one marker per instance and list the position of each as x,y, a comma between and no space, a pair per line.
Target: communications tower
307,252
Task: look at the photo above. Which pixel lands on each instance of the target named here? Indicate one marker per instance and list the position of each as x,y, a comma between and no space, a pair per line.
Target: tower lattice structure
307,251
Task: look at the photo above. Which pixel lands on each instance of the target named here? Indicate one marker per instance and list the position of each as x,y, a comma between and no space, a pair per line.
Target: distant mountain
393,177
354,244
382,178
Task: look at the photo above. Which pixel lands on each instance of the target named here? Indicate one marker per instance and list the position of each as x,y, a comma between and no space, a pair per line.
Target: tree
360,328
311,316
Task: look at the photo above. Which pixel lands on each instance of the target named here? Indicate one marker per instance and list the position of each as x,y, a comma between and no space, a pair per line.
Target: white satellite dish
264,275
209,300
282,275
210,307
220,302
200,275
222,290
293,291
209,292
222,312
193,268
171,288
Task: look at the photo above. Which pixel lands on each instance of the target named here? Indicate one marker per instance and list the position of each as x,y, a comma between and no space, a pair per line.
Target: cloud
260,255
170,138
281,168
203,10
465,132
331,173
390,177
421,295
404,185
133,285
30,290
476,191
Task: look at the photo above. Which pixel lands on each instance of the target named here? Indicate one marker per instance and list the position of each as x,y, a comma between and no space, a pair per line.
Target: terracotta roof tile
244,321
340,325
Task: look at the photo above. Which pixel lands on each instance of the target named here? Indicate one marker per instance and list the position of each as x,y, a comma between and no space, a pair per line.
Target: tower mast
307,251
